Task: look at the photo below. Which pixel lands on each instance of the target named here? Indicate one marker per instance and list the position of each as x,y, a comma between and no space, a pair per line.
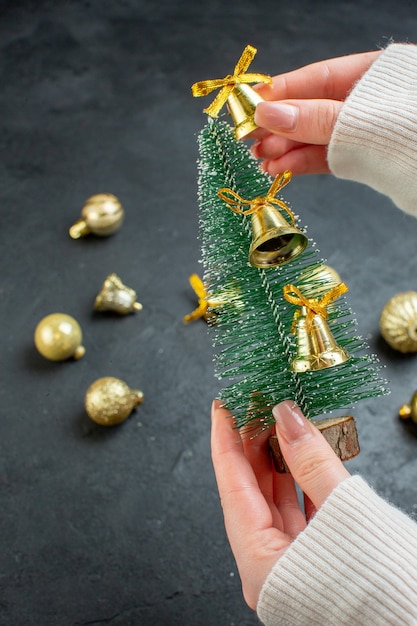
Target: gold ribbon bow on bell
227,84
236,202
314,306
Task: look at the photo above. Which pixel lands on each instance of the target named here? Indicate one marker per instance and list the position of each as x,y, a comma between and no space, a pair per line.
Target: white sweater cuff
354,564
374,139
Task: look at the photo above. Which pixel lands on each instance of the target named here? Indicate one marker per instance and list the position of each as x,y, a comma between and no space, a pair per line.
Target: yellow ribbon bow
315,306
204,87
257,203
203,300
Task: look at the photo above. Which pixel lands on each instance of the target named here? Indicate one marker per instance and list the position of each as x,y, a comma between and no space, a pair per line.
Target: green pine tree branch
252,339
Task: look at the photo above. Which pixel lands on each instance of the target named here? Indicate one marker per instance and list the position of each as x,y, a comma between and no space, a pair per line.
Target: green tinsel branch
251,336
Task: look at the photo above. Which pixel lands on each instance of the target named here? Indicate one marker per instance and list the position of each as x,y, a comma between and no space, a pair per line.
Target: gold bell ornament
58,337
316,347
109,401
275,241
398,322
235,90
101,215
116,297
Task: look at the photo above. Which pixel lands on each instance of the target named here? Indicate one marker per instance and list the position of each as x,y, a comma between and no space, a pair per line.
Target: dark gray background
123,526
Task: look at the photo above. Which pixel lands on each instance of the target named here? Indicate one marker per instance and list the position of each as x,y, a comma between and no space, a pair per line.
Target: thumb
312,462
305,121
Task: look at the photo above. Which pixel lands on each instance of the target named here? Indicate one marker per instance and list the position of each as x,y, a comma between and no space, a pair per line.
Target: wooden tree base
339,432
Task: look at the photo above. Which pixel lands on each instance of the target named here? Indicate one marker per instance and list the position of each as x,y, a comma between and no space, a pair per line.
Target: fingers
256,452
272,146
303,160
312,462
252,494
330,79
244,506
293,519
301,131
278,489
280,153
301,108
307,121
255,542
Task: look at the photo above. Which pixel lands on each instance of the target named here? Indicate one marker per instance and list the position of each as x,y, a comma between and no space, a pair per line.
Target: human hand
301,109
261,509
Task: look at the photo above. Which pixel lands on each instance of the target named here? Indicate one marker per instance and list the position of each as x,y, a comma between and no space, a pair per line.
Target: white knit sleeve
375,137
355,564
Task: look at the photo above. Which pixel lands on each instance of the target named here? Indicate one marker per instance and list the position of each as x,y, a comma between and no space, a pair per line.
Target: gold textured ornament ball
398,322
101,215
319,280
409,411
58,337
109,401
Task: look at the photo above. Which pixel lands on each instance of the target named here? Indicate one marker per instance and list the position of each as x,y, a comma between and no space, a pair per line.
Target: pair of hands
261,508
301,109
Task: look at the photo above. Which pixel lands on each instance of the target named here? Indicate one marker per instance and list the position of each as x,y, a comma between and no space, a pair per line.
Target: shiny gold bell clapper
101,215
109,401
116,297
316,346
58,337
398,322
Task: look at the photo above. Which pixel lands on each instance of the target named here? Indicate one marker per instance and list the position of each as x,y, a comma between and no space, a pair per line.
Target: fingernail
216,404
276,116
291,423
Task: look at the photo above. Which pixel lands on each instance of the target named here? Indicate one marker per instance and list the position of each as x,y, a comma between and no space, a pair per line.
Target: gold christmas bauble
101,215
398,322
58,337
109,401
317,281
409,411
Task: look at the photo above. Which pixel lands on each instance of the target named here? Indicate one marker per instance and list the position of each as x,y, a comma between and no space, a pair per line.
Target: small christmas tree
254,307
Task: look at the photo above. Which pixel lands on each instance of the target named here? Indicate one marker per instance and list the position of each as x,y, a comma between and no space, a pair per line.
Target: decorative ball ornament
101,215
398,322
109,401
318,280
409,411
58,337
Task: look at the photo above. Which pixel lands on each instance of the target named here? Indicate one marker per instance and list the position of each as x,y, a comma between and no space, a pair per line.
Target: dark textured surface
123,526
